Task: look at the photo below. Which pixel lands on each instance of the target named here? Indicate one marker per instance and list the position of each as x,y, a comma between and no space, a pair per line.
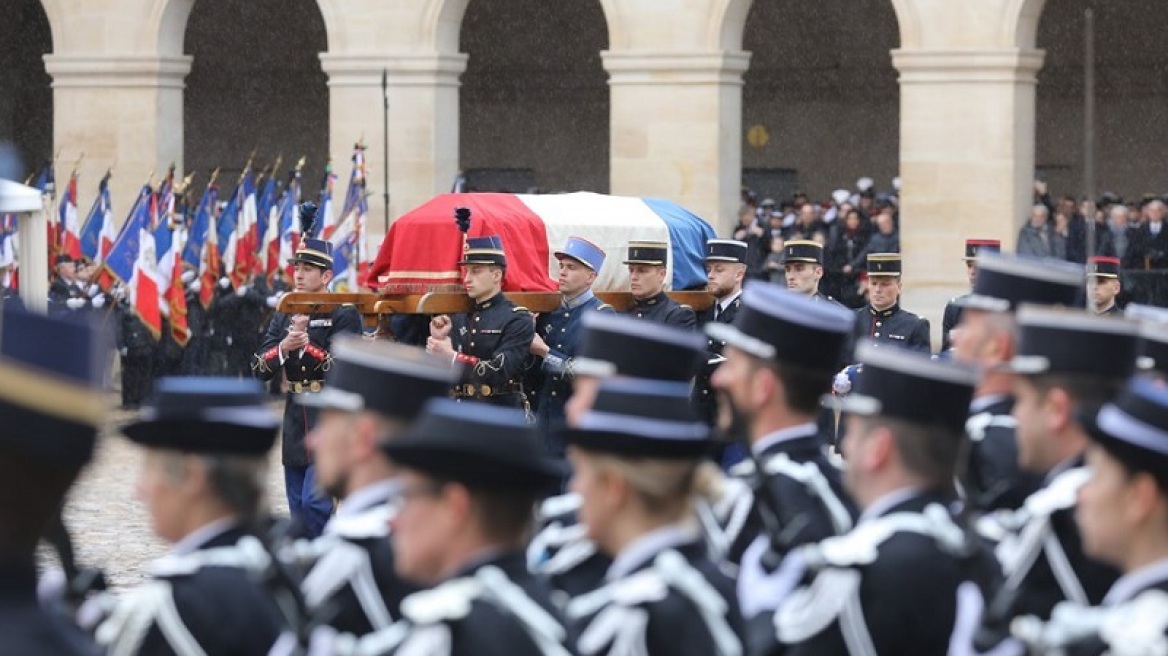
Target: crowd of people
657,478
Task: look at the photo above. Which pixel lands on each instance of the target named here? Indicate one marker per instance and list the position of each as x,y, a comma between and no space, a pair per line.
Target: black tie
717,311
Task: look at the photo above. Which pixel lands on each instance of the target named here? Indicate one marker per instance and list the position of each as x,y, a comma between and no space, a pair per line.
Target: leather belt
471,391
301,387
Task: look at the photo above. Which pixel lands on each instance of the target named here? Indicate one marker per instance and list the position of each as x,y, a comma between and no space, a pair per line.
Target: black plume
462,218
307,217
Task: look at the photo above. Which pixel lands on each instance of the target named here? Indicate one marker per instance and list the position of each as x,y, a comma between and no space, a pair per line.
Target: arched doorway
821,98
534,102
26,97
1131,97
255,84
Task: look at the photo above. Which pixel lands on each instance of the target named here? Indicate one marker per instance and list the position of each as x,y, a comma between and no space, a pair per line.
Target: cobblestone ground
110,526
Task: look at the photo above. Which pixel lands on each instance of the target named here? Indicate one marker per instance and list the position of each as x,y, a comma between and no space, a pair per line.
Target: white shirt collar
649,545
1130,584
980,403
783,435
192,541
884,503
366,497
725,303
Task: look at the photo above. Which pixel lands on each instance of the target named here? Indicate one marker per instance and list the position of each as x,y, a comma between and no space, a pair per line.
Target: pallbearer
882,320
725,272
647,262
952,314
1103,284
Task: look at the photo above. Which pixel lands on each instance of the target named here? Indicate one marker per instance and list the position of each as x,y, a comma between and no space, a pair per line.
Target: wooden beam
373,305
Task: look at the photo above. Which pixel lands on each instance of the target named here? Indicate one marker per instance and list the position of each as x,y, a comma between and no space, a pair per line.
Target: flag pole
385,140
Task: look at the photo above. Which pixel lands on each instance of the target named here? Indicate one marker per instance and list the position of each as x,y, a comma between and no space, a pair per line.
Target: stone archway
1131,97
534,102
821,98
255,84
26,105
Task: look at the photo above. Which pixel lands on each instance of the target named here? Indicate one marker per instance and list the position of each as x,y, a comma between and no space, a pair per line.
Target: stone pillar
124,111
677,128
423,125
966,161
34,260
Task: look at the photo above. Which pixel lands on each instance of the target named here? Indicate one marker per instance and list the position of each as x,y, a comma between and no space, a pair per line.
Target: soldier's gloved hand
273,300
760,591
93,289
188,276
75,303
242,291
197,286
99,301
224,282
123,351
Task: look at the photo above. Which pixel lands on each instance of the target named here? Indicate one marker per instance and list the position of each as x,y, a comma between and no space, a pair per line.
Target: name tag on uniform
484,331
891,336
320,323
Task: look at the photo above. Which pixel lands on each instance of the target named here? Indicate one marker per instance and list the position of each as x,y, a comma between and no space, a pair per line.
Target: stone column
34,260
966,161
423,125
676,128
124,111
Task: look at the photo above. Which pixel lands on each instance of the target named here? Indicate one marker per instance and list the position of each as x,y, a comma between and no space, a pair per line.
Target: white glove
273,301
99,301
242,291
224,282
763,592
93,289
187,276
123,351
75,303
229,340
196,286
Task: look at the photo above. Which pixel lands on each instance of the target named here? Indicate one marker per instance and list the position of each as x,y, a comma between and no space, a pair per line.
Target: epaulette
246,554
1136,626
449,601
604,306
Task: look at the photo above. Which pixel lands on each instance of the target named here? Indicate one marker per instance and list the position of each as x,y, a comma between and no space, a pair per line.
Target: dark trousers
137,377
310,507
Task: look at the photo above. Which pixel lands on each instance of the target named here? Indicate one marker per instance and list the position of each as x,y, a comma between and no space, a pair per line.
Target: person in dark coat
202,479
45,443
635,458
890,586
1103,285
952,314
557,337
882,320
243,311
1069,362
647,269
136,346
492,341
373,393
300,347
65,294
470,474
725,273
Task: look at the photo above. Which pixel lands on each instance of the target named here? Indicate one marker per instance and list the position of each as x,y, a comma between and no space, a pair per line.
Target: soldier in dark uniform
51,410
647,269
243,311
469,476
781,354
890,586
1122,517
635,458
1069,362
612,346
557,336
1103,285
136,345
952,315
300,346
803,271
194,360
65,295
725,272
985,338
882,319
202,479
373,392
492,341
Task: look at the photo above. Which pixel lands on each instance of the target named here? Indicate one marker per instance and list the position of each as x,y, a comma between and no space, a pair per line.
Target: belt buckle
486,390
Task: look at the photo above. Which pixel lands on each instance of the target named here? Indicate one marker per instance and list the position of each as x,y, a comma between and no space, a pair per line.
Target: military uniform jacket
667,599
561,552
304,367
133,335
60,291
949,320
1039,545
662,309
203,602
498,334
993,479
495,608
893,326
887,587
28,629
349,580
561,332
704,398
1113,310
